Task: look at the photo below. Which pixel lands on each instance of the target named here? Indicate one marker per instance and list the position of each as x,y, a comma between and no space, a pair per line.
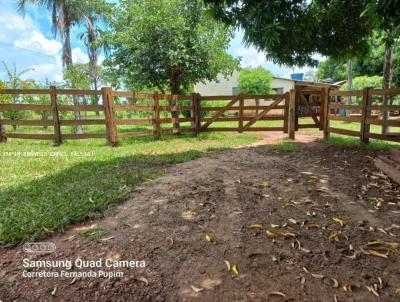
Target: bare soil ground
189,222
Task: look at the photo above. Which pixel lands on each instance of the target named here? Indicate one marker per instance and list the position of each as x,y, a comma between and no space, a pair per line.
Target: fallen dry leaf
256,226
275,293
341,221
142,279
235,270
228,265
196,289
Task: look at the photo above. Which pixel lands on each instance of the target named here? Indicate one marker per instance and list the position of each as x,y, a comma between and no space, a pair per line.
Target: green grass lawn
45,188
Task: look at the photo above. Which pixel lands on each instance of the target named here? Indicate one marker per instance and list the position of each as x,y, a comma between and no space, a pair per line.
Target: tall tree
292,31
169,45
384,15
64,15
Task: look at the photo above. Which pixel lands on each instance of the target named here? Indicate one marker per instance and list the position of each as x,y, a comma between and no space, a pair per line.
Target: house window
235,90
278,90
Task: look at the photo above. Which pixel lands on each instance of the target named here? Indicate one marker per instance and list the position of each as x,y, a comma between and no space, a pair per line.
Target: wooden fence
203,116
234,111
365,112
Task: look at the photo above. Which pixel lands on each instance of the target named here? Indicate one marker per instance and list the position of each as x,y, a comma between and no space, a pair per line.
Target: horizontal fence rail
365,114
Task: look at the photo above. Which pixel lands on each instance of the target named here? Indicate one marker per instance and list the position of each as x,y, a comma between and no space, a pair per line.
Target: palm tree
64,15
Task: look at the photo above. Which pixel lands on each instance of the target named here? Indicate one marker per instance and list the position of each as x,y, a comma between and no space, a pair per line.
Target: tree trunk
350,82
387,74
67,61
172,102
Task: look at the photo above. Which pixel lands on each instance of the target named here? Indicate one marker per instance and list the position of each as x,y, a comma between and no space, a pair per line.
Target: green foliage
365,81
169,45
77,76
292,31
332,69
255,81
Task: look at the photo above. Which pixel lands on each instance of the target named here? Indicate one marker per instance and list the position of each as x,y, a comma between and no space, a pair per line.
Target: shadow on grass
37,208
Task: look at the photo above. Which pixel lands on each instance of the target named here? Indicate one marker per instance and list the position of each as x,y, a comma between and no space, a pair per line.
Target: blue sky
28,41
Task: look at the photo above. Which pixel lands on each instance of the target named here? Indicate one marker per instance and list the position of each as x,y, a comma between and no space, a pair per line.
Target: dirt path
296,193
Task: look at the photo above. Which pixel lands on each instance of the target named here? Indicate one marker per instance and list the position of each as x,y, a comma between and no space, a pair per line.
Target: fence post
292,114
109,112
286,114
193,113
56,115
156,116
198,113
241,104
296,109
325,115
366,113
176,128
3,137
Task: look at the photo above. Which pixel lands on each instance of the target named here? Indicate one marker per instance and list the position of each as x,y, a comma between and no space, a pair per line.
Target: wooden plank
197,116
218,98
356,119
82,122
237,108
374,121
135,122
389,91
133,108
84,136
55,114
315,119
24,91
175,108
172,131
28,122
345,106
246,118
134,134
344,132
109,112
6,107
77,108
156,116
345,93
78,92
193,113
302,126
30,136
292,114
241,105
133,95
286,114
219,113
262,113
219,129
385,137
366,113
266,129
327,108
385,107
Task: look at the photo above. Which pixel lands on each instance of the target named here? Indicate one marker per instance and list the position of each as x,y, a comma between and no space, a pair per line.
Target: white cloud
78,56
51,72
38,42
251,57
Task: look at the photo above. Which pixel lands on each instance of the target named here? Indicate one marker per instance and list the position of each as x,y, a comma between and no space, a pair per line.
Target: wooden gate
247,110
309,105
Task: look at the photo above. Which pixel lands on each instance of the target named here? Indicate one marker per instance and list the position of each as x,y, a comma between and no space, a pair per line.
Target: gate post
3,137
292,114
109,112
193,114
241,104
286,113
366,113
156,116
325,116
56,116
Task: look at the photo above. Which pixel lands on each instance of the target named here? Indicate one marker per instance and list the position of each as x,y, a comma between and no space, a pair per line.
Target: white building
230,86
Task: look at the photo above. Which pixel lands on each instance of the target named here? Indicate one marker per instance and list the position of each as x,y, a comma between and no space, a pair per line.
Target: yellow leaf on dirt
334,237
377,254
264,184
313,225
235,270
277,294
284,234
188,215
256,226
342,222
209,238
